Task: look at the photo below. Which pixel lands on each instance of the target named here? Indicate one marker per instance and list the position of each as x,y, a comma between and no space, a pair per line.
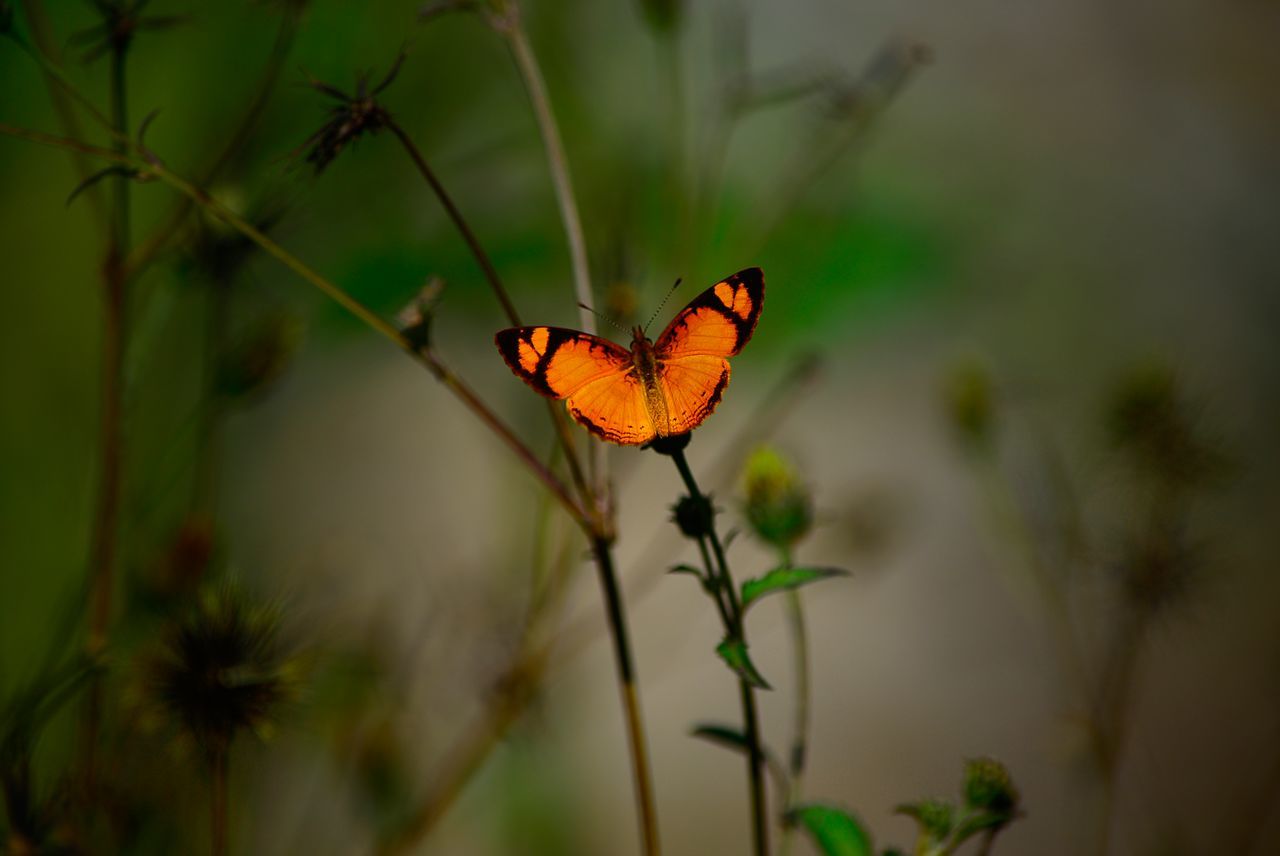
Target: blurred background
1019,343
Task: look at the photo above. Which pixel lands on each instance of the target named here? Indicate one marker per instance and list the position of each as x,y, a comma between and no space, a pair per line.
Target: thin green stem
732,616
557,163
988,841
150,248
511,27
801,701
717,590
219,791
45,56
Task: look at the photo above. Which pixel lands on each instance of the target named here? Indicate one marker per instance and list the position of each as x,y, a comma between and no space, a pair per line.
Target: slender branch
800,725
516,686
511,27
54,141
45,57
600,549
473,243
154,168
557,162
103,541
734,626
499,291
148,249
151,167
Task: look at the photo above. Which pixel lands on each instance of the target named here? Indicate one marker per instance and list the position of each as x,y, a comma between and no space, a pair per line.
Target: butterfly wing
594,375
692,367
718,322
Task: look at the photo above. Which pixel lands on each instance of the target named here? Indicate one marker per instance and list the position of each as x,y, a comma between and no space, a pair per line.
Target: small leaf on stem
834,831
784,579
722,735
734,652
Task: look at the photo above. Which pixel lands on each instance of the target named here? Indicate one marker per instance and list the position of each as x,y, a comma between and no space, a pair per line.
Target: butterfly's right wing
593,375
692,351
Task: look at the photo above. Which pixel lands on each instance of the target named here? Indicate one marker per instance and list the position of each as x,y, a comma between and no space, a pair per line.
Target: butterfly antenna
604,318
674,286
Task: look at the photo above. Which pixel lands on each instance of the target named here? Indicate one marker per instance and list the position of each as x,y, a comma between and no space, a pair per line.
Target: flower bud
970,407
778,505
987,786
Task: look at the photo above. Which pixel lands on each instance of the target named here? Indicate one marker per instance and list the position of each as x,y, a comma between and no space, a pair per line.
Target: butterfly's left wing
693,369
594,376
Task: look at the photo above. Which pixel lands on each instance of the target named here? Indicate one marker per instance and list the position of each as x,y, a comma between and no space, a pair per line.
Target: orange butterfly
657,389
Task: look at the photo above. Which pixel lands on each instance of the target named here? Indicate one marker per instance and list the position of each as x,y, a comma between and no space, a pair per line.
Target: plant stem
800,733
44,54
558,164
499,291
151,247
473,243
734,626
600,549
218,802
103,546
587,521
426,356
204,495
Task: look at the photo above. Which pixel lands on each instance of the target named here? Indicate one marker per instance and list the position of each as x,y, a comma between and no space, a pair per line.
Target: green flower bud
987,786
778,505
1150,421
970,403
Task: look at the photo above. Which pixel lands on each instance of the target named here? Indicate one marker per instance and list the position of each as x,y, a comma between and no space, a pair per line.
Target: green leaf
734,652
836,832
685,569
784,579
722,735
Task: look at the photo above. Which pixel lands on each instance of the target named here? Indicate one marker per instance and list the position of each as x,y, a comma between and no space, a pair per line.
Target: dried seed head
353,117
220,672
694,515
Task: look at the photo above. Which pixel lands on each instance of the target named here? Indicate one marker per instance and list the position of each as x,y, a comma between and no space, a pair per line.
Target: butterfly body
647,368
657,388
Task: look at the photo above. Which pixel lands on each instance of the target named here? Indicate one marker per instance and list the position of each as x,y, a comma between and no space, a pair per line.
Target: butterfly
656,389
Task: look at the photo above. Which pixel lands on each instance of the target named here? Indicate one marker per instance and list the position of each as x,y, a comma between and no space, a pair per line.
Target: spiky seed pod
221,672
694,515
